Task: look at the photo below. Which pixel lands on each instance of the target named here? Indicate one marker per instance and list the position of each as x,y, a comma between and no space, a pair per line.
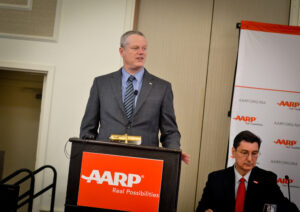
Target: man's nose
141,51
249,156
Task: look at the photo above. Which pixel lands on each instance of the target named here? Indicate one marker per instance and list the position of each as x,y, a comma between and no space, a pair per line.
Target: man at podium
132,101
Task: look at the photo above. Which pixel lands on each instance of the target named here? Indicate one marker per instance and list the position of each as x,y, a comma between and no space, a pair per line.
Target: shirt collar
138,75
238,176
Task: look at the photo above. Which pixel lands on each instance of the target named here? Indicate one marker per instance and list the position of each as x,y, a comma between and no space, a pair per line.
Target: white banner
266,98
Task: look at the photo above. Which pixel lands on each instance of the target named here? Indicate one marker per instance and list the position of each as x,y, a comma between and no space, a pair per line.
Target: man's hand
185,158
209,210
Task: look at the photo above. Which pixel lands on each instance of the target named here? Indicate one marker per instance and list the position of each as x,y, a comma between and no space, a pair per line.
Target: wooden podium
148,168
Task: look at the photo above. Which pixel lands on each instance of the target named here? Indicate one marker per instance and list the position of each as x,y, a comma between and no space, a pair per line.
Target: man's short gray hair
124,37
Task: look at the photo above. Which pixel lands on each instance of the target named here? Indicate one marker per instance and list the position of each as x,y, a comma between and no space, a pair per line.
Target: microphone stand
288,184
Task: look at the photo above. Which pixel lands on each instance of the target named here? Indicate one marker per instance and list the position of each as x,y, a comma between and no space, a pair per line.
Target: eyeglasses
246,154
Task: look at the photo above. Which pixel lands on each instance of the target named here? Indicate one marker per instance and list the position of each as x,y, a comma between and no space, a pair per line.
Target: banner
120,182
266,98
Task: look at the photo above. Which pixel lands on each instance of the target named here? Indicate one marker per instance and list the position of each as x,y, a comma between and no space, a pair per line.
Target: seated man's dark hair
246,136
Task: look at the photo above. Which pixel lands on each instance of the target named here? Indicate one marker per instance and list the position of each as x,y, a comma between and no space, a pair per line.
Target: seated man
243,187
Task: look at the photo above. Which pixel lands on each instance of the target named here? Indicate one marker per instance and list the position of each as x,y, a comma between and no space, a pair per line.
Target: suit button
129,125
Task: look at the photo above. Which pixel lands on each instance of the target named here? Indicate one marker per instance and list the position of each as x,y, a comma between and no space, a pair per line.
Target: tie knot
242,180
131,78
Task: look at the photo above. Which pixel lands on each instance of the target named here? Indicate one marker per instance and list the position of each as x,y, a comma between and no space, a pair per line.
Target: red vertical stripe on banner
274,28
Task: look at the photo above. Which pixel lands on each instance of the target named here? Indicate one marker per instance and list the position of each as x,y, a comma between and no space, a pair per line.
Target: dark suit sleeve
90,121
206,201
170,136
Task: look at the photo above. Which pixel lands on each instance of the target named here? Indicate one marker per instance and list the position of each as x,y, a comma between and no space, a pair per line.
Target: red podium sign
120,182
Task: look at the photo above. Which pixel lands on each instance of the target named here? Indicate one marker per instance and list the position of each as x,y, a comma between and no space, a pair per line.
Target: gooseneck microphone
288,184
136,92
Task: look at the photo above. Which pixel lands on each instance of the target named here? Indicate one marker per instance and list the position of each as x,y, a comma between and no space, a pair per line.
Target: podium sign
107,176
133,183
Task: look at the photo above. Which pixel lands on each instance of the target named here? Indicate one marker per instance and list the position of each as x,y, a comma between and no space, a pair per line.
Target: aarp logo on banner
246,119
120,182
285,142
284,181
289,104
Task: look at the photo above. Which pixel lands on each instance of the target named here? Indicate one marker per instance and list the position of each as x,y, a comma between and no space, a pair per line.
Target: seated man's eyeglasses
246,154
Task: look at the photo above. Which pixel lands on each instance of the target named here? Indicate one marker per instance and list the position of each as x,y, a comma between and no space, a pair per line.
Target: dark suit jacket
219,193
154,111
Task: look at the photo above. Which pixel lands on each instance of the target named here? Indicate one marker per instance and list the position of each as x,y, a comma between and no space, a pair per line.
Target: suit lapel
252,190
145,90
116,84
229,185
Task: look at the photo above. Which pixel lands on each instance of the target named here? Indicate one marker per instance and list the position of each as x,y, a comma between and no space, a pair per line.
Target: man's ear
233,152
121,50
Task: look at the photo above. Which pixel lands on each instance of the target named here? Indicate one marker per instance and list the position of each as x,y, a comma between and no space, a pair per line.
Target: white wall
87,46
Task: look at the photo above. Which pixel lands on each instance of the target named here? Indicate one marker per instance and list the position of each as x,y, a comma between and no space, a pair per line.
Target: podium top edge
79,140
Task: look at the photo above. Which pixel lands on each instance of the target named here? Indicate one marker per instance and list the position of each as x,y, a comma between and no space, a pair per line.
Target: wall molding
129,15
53,38
295,13
27,7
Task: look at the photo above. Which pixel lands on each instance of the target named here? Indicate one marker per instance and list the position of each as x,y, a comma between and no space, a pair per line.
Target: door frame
48,82
46,102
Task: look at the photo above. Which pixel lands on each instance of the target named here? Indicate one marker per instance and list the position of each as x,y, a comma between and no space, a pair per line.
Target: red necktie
240,197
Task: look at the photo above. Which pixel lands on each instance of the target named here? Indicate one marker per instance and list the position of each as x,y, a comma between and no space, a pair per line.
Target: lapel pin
150,83
256,182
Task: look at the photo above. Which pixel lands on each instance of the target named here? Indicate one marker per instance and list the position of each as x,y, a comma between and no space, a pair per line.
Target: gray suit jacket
154,111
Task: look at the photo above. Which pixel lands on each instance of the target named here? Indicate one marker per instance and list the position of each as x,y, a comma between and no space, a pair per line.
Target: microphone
288,184
136,92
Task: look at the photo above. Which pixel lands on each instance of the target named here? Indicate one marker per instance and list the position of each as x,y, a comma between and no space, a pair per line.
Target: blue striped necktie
129,97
